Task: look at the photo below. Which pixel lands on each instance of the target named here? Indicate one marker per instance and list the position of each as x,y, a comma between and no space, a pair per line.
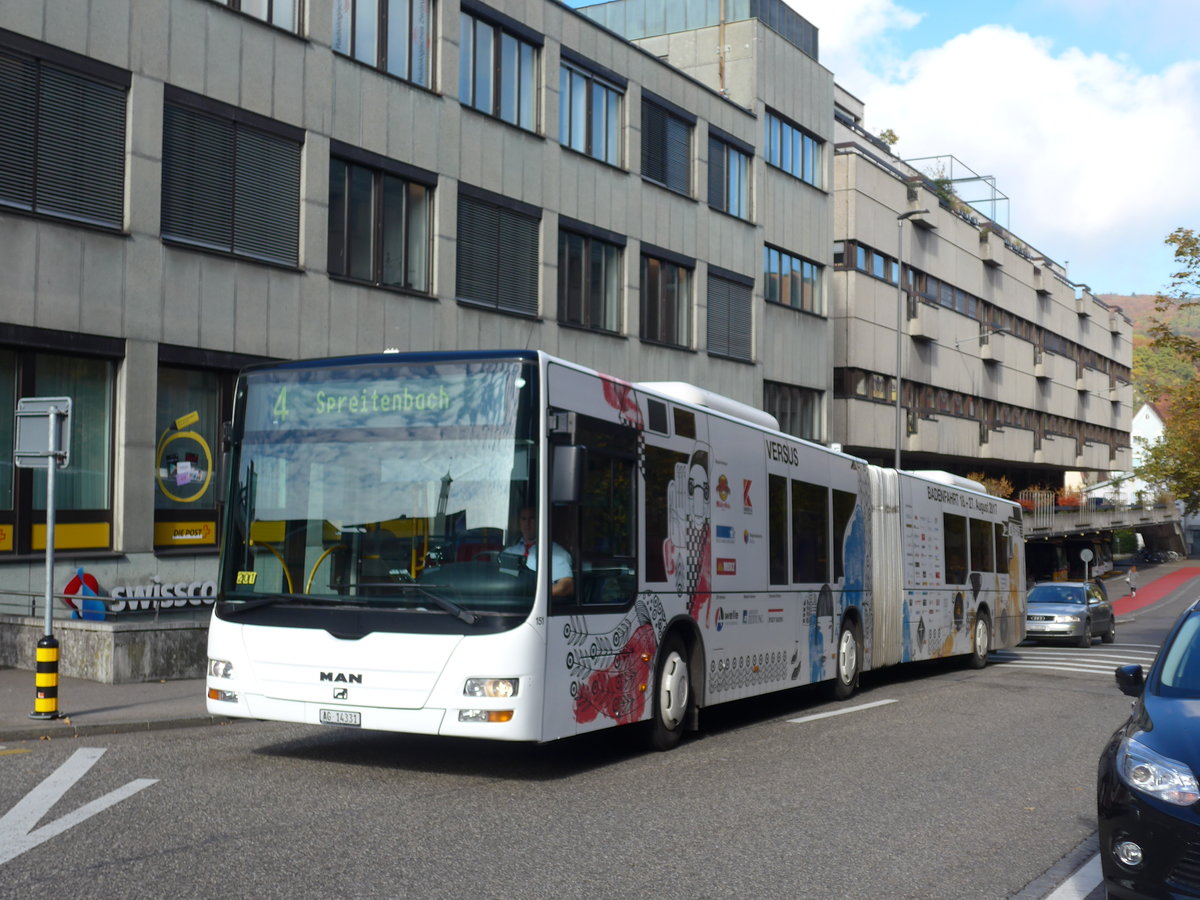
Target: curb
1049,880
51,732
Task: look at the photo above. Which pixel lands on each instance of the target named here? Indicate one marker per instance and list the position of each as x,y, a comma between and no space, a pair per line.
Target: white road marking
1095,660
841,712
1085,880
17,828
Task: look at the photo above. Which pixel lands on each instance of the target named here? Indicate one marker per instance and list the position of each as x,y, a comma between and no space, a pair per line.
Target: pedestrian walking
1133,579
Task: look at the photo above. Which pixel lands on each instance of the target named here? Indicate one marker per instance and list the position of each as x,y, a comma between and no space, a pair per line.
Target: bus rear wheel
981,641
672,694
848,662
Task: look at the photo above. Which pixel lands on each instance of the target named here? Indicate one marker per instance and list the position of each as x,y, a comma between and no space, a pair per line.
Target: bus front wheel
672,694
848,662
981,641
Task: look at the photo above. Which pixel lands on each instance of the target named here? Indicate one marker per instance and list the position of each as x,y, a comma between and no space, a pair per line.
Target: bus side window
954,531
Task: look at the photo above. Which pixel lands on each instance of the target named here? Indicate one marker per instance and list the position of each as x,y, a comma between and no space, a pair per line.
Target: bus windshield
382,485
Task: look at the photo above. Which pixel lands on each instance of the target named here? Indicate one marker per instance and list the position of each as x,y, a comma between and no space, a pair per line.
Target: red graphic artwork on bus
616,692
619,395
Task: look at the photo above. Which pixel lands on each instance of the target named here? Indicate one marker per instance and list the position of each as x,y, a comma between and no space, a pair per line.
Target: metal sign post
1086,555
49,450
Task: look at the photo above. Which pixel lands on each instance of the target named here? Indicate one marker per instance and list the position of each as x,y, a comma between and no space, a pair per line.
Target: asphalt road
966,784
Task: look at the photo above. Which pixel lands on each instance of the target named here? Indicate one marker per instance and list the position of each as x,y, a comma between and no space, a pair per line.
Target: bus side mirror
566,482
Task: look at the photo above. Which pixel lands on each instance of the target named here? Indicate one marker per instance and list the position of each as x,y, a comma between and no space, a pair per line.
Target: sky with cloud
1085,112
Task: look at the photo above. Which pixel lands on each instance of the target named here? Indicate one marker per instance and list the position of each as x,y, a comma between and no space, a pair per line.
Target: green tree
1173,462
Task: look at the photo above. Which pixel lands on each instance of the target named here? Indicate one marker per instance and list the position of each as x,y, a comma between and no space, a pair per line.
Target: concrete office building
1007,367
188,186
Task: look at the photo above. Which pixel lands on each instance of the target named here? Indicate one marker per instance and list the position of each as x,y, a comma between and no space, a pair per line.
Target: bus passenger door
594,668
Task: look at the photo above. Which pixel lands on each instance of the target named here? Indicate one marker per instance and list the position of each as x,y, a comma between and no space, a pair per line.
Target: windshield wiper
230,609
448,605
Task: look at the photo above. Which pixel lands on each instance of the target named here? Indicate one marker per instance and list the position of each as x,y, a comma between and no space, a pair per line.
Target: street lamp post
900,318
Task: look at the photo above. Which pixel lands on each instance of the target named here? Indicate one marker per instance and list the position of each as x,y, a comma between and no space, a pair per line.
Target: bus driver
563,584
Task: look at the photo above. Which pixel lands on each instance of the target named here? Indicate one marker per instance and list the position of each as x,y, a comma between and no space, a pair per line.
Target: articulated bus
371,574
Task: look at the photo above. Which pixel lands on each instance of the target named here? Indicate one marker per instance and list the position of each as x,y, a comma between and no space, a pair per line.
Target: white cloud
1095,155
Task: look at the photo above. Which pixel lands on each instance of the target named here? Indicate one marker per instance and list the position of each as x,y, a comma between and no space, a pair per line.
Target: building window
730,317
83,490
791,148
728,178
589,282
229,185
666,302
62,138
666,147
283,14
798,410
379,229
393,35
793,281
497,72
8,410
589,115
497,257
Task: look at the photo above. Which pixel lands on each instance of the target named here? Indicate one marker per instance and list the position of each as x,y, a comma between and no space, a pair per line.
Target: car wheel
1085,636
848,661
981,641
1111,635
672,695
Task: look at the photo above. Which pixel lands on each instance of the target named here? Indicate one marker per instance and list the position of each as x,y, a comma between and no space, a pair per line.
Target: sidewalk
94,708
1155,583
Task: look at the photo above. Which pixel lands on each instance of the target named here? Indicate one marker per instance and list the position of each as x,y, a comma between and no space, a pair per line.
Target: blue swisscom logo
724,533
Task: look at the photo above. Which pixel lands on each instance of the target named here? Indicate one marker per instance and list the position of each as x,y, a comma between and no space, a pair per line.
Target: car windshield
1180,676
1058,593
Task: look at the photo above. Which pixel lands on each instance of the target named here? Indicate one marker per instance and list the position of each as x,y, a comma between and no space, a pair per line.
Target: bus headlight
219,668
491,687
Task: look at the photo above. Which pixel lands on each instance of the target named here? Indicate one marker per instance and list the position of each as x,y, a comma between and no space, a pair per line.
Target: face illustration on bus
697,486
686,551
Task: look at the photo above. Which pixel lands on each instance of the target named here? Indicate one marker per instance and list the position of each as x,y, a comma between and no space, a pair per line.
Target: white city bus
369,578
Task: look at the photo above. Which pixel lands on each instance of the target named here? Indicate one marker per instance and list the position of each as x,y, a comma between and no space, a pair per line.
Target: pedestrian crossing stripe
1089,661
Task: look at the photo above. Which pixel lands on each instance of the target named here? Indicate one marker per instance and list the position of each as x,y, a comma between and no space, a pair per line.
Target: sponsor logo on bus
726,617
726,566
723,491
751,617
748,506
774,615
724,533
750,537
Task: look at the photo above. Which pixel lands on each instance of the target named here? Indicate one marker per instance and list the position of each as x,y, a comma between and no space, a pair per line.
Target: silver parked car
1070,610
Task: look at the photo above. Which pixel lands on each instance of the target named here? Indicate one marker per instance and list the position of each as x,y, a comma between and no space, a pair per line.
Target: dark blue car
1148,799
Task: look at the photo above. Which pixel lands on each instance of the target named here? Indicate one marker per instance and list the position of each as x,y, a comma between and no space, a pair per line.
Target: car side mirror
1131,680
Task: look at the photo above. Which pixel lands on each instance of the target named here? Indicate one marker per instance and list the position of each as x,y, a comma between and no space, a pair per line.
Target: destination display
415,397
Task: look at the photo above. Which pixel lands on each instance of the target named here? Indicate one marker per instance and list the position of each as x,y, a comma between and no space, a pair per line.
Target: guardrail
25,603
1046,514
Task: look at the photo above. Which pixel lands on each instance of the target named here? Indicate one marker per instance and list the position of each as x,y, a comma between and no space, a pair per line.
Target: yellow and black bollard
45,703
